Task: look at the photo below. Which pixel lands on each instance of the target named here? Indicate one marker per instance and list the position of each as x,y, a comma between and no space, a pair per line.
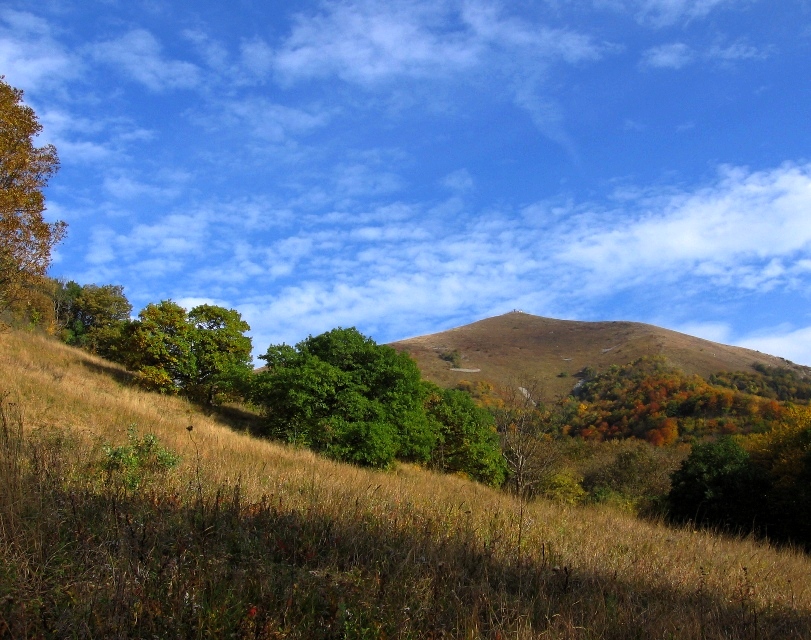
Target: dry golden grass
412,553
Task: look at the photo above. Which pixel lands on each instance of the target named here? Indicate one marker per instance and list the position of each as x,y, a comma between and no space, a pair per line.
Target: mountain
519,348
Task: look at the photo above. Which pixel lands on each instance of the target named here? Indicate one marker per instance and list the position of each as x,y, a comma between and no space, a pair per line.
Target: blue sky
408,166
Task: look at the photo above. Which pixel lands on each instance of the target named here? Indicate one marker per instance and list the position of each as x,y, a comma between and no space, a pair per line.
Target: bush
717,486
134,461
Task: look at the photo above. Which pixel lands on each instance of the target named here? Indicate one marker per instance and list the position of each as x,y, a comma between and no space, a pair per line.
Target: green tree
718,486
221,352
95,317
159,347
342,394
467,442
26,239
203,353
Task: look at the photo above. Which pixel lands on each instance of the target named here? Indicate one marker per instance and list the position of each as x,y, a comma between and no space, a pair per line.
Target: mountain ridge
518,347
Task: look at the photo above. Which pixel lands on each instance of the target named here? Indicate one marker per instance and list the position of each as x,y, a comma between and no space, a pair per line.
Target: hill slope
519,347
250,539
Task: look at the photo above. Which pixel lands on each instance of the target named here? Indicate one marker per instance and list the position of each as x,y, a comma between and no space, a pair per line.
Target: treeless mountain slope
518,348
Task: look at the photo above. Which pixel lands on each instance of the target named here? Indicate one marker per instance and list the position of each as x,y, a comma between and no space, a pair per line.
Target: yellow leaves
26,239
783,450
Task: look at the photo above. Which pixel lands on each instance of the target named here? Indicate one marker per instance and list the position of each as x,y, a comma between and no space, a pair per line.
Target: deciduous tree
26,239
203,353
94,317
342,394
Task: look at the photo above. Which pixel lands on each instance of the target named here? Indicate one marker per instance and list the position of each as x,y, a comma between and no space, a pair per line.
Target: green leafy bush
718,486
142,456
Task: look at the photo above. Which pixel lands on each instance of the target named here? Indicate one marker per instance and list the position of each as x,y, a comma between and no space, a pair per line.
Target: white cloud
270,121
793,344
736,51
548,117
30,56
750,230
676,55
367,42
401,269
257,56
460,181
126,187
717,238
663,13
83,140
668,56
139,55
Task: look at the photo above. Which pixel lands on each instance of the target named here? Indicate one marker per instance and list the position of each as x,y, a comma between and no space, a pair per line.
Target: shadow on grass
116,373
104,562
238,418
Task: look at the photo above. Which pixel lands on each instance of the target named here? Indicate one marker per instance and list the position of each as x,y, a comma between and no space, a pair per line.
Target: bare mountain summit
518,347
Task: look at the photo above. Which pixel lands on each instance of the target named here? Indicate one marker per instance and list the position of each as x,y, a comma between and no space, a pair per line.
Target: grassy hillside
246,538
519,346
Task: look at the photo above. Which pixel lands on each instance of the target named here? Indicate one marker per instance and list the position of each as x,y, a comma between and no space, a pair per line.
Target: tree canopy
26,239
93,316
342,394
203,353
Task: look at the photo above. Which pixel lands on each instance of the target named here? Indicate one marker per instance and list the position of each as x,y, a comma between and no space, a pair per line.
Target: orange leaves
26,239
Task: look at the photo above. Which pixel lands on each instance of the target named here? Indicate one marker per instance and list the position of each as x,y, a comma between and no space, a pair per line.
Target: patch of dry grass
251,539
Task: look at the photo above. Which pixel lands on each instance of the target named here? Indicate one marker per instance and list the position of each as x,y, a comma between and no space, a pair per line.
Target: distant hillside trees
759,483
779,383
203,353
26,239
651,400
343,395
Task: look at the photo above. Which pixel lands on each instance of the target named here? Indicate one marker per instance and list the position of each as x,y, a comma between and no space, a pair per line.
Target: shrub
134,461
717,486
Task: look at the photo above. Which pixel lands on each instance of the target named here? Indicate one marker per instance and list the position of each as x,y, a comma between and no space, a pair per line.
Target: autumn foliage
650,400
26,239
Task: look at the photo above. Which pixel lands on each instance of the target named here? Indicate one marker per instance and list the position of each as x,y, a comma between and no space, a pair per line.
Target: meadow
245,538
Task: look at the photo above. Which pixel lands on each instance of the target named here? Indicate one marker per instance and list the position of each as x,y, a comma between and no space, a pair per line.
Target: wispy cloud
715,237
31,56
676,55
399,270
668,56
459,181
663,13
368,42
139,55
750,230
270,121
